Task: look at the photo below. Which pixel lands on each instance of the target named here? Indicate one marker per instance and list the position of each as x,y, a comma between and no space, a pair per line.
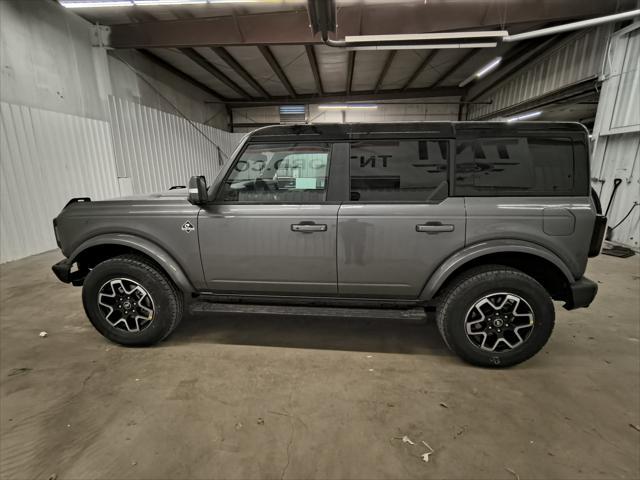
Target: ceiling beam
182,13
178,73
385,69
358,95
138,14
351,60
275,66
465,58
420,68
239,69
292,27
313,61
213,70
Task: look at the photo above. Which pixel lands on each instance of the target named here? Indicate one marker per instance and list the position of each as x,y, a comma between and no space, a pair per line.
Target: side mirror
198,190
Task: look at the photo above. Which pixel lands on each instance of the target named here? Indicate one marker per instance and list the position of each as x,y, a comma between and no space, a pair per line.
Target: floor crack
286,466
292,422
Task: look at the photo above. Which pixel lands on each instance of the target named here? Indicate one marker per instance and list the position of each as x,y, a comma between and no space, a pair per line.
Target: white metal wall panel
46,159
618,156
158,150
576,59
626,113
616,136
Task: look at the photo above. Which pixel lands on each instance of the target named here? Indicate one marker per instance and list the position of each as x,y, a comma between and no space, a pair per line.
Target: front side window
398,170
279,174
514,166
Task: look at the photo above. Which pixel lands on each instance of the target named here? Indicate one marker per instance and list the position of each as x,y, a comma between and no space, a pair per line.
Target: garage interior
107,99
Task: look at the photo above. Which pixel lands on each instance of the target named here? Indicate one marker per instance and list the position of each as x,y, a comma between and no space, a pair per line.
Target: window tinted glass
396,171
278,174
514,166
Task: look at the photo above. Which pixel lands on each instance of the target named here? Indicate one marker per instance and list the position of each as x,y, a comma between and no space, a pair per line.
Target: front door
271,229
399,223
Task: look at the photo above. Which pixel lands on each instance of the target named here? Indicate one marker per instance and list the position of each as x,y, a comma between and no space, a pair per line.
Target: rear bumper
581,293
62,270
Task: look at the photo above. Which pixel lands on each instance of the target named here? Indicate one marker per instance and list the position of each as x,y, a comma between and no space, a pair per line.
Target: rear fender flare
458,259
170,266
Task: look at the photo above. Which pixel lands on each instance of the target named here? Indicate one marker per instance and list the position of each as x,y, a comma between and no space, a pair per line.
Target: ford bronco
484,223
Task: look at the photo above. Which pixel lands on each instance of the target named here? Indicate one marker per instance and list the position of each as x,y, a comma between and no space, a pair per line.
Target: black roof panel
360,131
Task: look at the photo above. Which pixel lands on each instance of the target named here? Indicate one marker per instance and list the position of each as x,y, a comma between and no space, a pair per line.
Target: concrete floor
239,396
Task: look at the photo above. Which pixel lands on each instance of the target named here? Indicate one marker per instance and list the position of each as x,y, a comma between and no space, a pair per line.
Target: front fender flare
157,253
458,259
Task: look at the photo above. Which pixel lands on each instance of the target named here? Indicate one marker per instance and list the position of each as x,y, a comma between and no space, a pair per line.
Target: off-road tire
473,285
167,299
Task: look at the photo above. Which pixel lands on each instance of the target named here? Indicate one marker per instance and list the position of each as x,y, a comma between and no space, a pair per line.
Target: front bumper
581,293
62,269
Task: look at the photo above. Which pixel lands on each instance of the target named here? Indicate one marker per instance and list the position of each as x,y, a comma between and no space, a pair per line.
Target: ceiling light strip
525,116
143,3
427,46
336,106
416,37
112,3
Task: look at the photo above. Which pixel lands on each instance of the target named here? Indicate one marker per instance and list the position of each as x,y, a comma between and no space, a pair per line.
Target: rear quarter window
519,166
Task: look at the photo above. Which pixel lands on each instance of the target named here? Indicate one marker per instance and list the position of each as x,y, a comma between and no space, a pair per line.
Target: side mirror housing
198,190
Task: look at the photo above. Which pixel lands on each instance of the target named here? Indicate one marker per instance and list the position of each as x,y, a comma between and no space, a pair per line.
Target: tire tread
169,290
481,274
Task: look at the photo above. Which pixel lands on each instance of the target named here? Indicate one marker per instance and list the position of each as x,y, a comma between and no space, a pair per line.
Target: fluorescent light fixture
488,67
142,3
96,4
168,2
483,71
525,116
425,46
344,106
413,37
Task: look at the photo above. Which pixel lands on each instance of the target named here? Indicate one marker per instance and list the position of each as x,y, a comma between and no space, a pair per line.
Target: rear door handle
434,227
308,227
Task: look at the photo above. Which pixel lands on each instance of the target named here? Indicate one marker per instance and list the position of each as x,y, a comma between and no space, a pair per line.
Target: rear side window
512,166
398,170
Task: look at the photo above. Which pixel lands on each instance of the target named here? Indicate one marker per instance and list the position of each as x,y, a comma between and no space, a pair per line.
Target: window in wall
514,166
279,174
399,170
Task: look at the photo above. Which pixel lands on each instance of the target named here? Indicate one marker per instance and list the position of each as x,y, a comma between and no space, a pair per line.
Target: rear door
399,223
272,229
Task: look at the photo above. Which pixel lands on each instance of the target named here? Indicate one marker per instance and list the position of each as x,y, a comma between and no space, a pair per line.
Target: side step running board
214,307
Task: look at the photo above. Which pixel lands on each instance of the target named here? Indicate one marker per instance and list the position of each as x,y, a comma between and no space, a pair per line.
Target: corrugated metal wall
616,135
576,59
157,150
50,157
47,158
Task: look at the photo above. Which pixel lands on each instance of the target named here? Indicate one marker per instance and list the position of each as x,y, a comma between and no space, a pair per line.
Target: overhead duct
567,27
322,16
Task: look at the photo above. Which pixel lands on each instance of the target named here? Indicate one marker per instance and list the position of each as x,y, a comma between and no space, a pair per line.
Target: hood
167,195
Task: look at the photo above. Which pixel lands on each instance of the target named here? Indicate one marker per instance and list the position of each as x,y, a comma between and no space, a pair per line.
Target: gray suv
483,223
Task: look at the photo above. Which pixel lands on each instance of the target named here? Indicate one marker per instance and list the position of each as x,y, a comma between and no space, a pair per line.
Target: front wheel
130,301
495,316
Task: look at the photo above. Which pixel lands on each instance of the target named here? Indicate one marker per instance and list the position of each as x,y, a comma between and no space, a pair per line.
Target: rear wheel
495,316
131,302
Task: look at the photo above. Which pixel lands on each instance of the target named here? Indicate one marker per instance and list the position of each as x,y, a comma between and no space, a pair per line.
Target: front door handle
435,227
309,227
